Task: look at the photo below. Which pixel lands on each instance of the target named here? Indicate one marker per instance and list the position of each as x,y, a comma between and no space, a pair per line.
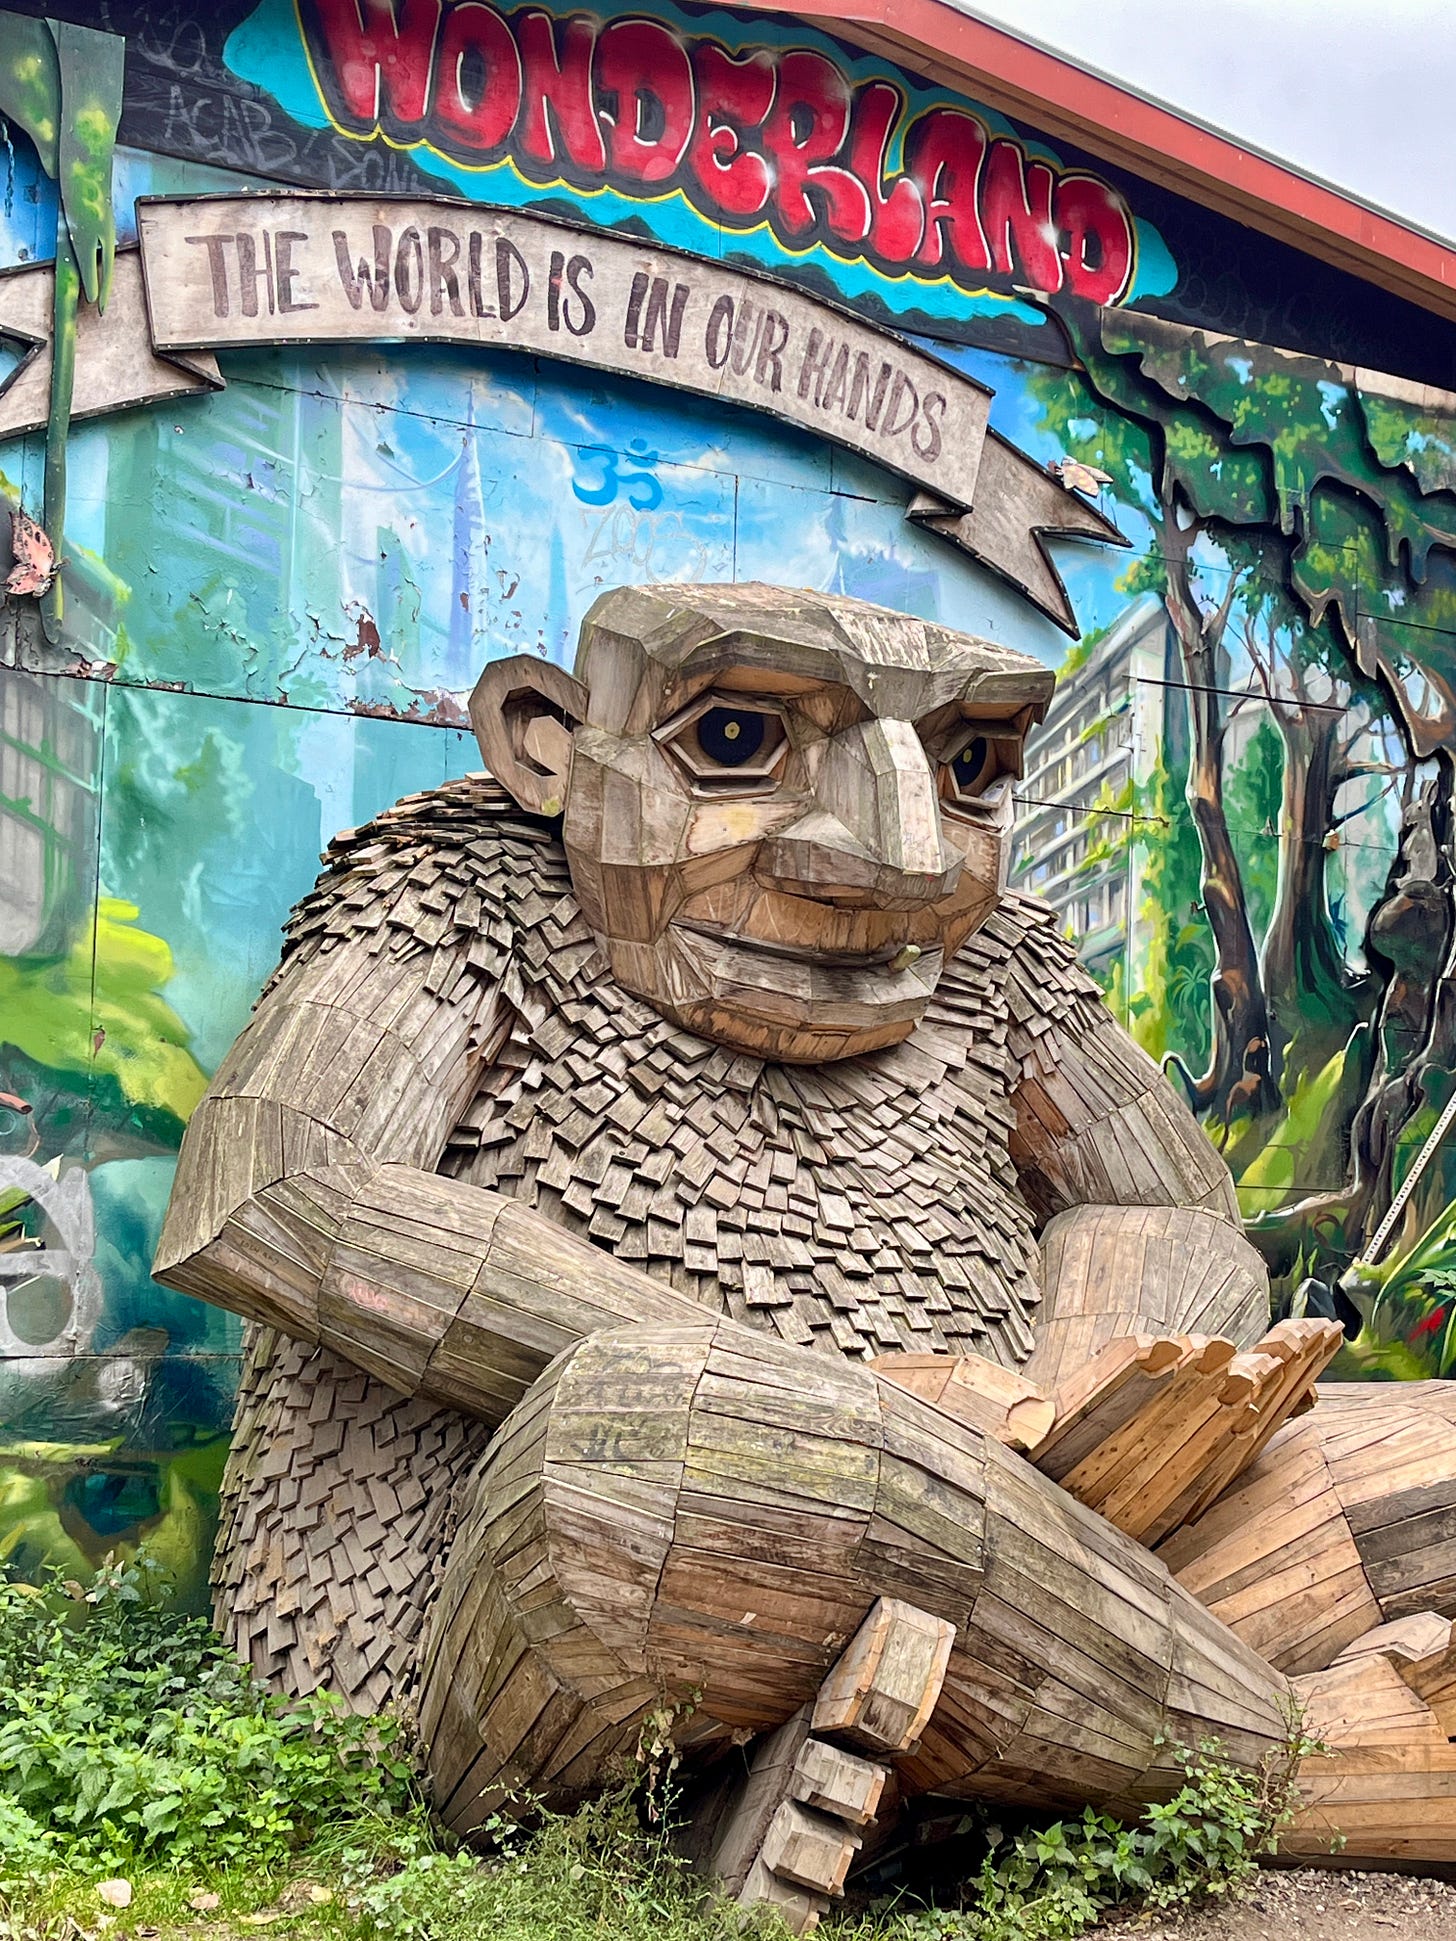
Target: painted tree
1332,497
1171,466
1332,727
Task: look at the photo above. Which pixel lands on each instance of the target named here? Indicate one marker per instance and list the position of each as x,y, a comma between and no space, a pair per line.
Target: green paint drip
30,85
62,85
58,423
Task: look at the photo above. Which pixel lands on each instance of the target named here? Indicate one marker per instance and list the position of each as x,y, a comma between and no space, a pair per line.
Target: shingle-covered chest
867,1206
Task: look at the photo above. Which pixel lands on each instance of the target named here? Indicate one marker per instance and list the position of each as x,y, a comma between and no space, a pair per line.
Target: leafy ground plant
1205,1843
131,1736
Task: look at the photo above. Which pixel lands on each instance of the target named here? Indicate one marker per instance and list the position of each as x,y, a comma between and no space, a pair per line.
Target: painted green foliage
1305,534
1370,515
1410,429
97,1013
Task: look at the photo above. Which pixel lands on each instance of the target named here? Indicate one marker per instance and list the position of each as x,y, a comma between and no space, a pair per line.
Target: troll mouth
892,957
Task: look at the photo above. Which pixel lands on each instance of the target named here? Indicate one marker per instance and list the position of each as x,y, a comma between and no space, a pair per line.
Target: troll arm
306,1196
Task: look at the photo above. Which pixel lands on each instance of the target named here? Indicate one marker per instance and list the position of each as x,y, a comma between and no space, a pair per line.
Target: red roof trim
1111,122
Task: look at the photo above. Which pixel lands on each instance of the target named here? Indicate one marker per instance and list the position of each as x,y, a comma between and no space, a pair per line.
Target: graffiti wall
280,587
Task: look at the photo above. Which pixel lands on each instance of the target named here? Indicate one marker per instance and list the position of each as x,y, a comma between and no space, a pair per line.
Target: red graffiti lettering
478,85
558,121
897,218
944,153
805,127
1016,213
378,57
733,96
778,136
647,71
1098,233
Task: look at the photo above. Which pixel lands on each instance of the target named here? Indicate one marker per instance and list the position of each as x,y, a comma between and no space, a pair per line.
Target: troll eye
971,772
731,736
727,745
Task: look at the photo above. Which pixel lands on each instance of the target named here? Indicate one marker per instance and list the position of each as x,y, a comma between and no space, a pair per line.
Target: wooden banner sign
299,268
303,268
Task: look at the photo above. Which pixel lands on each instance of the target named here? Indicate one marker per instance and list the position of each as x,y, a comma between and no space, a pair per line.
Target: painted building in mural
1078,795
527,303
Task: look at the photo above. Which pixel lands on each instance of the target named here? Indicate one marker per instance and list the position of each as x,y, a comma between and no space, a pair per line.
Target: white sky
1360,92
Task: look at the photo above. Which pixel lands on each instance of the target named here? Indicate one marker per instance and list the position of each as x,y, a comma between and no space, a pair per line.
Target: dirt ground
1315,1906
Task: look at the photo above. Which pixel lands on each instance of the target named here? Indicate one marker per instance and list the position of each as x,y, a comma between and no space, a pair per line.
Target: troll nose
872,833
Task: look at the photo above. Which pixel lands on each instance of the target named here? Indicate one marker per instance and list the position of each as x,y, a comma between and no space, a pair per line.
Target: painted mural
275,597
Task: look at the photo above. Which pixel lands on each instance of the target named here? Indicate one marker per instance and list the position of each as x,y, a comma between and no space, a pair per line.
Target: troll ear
523,711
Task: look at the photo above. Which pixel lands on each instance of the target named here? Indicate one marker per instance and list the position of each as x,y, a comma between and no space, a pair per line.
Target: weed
1057,1882
598,1874
132,1734
134,1745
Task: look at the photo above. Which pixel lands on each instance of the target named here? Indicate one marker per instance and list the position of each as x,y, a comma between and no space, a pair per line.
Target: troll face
783,811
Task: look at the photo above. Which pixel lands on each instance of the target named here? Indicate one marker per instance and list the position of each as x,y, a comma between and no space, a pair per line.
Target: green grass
597,1875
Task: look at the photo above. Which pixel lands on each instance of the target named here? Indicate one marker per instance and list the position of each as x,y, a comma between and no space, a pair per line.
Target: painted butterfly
1080,477
36,564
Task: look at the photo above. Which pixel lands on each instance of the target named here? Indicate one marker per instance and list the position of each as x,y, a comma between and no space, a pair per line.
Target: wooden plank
976,1391
1406,1641
838,1782
751,1809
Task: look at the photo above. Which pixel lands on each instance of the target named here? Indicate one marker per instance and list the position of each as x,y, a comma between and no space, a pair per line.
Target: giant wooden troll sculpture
709,1246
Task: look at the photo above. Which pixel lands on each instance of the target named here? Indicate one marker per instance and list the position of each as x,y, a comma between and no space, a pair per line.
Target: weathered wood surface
1346,1520
336,1519
886,1685
1392,1452
736,1861
790,1830
1173,1268
1405,1641
809,1849
455,999
1388,1786
498,1138
975,1390
1155,1429
838,1782
1275,1557
812,1204
678,1512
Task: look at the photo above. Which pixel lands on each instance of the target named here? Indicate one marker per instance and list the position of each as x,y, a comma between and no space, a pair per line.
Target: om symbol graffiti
640,484
629,528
